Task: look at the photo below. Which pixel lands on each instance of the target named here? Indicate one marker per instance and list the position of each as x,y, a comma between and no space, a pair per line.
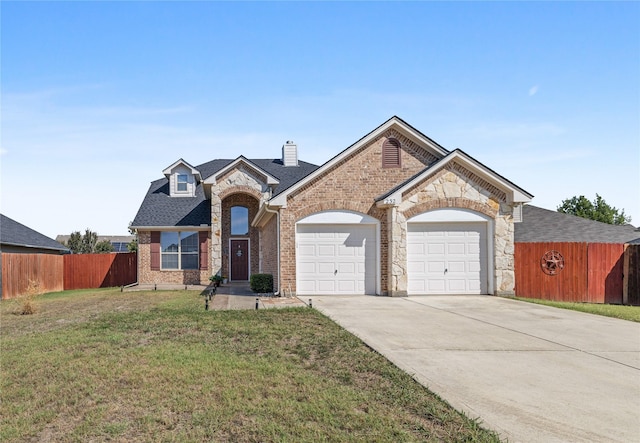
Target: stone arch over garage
455,202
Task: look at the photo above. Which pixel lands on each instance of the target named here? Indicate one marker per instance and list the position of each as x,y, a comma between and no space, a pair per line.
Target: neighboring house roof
16,234
119,242
543,225
161,210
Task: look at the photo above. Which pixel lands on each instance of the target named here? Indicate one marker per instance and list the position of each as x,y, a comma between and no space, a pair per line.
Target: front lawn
631,313
155,366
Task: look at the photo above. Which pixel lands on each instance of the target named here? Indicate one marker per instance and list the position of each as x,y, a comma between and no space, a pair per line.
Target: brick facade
174,277
353,182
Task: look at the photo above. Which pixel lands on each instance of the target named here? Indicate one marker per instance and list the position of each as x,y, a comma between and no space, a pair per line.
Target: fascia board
271,180
516,194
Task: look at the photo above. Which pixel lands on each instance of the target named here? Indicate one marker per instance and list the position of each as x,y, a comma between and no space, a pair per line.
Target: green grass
631,313
155,366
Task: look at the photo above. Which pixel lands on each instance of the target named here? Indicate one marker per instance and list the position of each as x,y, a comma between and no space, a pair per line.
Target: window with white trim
179,250
182,181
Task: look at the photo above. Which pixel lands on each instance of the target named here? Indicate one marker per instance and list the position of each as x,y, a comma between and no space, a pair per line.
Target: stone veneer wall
239,180
456,187
175,277
352,184
250,203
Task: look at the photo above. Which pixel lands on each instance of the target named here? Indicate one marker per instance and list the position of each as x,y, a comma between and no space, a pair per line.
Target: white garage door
336,259
447,258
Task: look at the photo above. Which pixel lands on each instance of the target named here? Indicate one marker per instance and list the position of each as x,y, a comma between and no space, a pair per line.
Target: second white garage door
336,259
447,258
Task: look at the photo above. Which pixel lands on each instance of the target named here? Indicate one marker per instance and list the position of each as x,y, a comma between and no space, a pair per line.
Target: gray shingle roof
159,209
17,234
543,225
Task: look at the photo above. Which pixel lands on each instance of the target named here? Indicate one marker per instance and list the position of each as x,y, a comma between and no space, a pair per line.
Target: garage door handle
445,270
335,272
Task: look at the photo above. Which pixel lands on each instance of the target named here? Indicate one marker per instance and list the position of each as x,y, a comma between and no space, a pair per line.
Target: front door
239,252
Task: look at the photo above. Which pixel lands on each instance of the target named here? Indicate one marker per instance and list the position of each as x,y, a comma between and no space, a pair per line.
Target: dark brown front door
239,260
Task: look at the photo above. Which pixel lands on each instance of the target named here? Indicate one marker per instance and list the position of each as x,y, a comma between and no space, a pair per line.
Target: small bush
26,302
262,283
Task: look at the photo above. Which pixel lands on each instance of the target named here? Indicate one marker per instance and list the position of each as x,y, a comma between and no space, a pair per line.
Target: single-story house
393,214
18,238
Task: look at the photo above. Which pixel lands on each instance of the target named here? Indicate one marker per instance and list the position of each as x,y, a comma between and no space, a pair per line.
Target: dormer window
182,181
391,153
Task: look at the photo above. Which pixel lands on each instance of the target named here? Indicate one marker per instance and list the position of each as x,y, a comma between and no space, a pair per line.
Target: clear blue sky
99,97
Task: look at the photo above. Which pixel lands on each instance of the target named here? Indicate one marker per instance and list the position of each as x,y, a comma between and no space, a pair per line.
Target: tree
89,240
132,246
597,210
104,247
75,242
82,244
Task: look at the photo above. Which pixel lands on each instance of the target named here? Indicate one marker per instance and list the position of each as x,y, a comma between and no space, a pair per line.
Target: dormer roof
180,162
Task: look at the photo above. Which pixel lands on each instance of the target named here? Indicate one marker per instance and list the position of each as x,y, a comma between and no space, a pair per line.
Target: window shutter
391,153
155,250
204,251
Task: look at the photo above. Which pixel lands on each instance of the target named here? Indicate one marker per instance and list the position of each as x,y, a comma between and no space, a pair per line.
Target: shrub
262,283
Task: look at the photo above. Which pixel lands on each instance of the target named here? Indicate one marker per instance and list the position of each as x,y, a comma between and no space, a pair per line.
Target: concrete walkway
530,372
240,296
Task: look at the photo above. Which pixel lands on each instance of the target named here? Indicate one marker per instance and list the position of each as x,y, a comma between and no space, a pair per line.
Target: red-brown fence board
569,284
37,273
83,271
605,268
632,269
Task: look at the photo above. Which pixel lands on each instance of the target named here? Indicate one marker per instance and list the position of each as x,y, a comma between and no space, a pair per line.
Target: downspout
277,213
137,282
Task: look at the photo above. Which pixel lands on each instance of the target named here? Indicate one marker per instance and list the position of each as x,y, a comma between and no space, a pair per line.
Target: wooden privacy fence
575,272
39,273
83,271
31,274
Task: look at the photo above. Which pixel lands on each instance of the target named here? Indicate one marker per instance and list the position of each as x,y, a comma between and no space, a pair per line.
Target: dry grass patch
163,369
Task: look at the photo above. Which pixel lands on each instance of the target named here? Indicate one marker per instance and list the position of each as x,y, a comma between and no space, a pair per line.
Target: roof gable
180,162
395,123
269,179
514,193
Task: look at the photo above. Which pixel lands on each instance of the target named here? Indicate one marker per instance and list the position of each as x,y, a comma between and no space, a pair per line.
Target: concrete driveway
530,372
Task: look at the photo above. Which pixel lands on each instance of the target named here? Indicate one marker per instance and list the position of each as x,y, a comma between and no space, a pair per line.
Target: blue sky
99,97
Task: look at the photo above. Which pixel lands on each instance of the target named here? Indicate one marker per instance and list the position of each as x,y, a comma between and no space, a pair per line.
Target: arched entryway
240,241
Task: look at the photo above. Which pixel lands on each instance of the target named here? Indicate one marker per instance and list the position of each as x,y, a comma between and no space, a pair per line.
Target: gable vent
391,153
290,154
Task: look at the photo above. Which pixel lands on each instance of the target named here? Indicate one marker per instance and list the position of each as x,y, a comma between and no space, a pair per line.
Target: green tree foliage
75,242
132,246
597,210
104,247
83,244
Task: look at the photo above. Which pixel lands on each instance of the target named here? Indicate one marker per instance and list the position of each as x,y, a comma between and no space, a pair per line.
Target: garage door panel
322,268
456,248
345,258
456,267
459,248
326,250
